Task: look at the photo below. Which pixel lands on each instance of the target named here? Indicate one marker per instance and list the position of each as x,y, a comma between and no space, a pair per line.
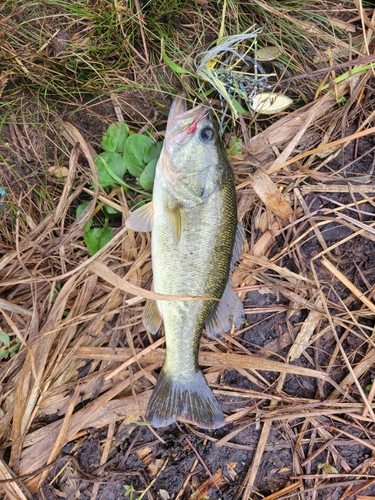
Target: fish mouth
183,122
178,107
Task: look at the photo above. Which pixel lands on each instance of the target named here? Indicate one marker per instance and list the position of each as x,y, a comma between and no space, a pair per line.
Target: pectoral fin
229,311
142,219
175,221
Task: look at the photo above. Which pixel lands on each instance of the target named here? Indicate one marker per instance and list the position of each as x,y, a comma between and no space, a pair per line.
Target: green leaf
110,212
4,354
145,424
153,152
146,179
328,468
341,100
5,339
237,106
128,490
115,137
235,146
97,237
174,67
114,162
134,151
14,349
79,211
122,183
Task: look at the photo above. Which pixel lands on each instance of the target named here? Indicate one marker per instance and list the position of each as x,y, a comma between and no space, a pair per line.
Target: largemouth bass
195,242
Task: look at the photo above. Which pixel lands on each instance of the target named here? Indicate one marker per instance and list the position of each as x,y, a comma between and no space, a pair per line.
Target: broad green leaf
119,181
97,237
134,151
4,338
115,137
153,152
79,211
146,179
110,211
114,162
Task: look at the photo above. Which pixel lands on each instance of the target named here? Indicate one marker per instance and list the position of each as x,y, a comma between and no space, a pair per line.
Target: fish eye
206,134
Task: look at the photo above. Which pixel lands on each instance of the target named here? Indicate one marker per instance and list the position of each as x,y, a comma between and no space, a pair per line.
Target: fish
195,244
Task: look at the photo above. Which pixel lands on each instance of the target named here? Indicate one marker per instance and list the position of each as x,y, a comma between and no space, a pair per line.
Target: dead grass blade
286,129
98,414
61,438
333,144
105,273
12,490
348,284
30,386
216,360
284,491
307,331
270,195
8,306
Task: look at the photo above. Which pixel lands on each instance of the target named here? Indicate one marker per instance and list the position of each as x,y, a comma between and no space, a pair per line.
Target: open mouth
182,122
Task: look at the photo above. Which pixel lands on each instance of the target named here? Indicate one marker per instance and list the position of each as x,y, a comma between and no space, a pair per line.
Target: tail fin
189,400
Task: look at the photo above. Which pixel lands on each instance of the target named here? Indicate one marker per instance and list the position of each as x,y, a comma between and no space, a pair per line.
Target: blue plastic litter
2,195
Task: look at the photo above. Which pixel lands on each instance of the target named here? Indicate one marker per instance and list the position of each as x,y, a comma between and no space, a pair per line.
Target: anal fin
229,311
151,318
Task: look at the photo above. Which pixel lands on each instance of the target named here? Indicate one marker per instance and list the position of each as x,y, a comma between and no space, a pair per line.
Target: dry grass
84,360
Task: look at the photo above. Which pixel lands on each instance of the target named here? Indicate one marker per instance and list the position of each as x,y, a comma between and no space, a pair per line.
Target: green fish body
195,242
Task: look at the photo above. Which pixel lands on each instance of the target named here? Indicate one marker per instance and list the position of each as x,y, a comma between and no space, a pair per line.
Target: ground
76,364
